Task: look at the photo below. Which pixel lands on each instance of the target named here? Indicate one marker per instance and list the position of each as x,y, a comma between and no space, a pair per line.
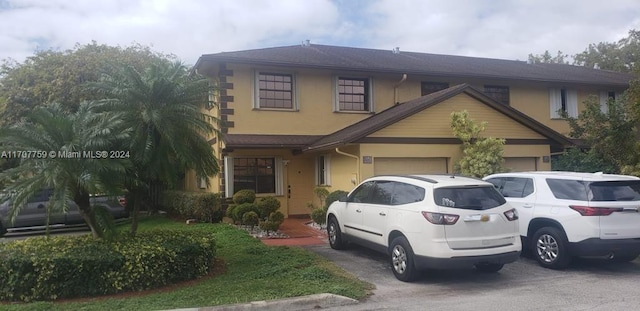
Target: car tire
625,258
489,267
401,259
550,248
335,234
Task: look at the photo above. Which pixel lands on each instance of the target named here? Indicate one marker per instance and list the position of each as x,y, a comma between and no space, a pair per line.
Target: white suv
566,214
428,221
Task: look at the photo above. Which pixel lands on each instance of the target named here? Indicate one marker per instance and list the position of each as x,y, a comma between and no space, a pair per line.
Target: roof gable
387,118
435,122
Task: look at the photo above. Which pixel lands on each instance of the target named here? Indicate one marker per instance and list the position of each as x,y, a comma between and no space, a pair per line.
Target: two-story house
297,117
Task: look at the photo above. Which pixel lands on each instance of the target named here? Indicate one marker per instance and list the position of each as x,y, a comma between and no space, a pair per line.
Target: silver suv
428,221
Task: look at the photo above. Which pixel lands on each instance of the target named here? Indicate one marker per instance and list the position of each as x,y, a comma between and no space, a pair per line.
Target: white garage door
520,164
404,166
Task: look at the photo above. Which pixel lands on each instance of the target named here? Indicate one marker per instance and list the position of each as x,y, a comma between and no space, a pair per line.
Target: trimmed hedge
203,206
69,267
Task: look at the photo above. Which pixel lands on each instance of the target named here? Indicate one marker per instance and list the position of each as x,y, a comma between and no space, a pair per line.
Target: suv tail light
511,214
594,211
440,219
122,201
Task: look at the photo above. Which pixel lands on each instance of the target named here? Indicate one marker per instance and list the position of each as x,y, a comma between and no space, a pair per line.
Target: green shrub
319,216
269,225
80,266
203,206
250,219
230,211
334,196
266,206
240,210
244,196
276,216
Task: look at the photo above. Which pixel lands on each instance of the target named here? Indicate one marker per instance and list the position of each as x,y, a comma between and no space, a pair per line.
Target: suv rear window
623,190
470,197
615,190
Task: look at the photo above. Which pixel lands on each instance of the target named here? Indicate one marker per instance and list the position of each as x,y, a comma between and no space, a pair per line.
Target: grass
252,271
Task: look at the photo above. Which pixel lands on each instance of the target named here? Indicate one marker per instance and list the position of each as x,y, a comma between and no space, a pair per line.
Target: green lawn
253,271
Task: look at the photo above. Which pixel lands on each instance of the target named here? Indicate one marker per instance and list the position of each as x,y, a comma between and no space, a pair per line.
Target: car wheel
401,257
625,258
489,267
334,234
550,248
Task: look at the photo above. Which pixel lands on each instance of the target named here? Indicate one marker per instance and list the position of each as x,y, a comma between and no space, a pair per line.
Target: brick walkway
299,233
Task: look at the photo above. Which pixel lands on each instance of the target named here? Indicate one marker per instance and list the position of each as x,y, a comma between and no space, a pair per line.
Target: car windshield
468,197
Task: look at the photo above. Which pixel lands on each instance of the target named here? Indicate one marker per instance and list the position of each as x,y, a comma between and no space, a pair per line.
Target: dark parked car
33,214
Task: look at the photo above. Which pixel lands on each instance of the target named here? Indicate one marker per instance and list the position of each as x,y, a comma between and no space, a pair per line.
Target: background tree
623,55
59,76
55,129
162,107
481,156
547,58
610,135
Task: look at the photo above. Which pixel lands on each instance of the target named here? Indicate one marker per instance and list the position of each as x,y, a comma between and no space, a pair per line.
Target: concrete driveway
523,285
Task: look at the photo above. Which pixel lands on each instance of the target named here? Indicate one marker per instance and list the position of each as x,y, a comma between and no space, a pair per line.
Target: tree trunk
84,207
137,200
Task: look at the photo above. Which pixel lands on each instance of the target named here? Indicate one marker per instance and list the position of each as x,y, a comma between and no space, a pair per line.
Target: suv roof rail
429,180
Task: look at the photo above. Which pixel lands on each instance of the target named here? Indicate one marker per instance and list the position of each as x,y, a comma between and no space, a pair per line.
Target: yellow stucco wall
436,121
316,116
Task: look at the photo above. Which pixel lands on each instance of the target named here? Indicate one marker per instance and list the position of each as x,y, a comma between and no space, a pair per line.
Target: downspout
357,179
395,88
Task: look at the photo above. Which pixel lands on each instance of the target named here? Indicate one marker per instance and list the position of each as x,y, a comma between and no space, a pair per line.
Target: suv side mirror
343,199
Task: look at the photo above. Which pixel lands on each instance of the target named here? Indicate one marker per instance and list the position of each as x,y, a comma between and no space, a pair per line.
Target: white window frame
255,87
556,102
229,170
323,175
604,100
336,94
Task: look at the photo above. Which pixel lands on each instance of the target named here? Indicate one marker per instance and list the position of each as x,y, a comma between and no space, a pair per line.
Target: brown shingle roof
268,141
396,113
371,60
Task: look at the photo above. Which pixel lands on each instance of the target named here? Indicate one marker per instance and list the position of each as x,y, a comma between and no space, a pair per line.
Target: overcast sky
508,29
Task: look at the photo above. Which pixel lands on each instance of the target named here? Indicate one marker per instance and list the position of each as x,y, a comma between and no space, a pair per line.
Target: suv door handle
527,205
359,211
382,214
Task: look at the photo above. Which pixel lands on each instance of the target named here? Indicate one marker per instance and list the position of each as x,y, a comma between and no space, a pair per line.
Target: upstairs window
498,93
353,94
563,101
275,91
432,87
605,97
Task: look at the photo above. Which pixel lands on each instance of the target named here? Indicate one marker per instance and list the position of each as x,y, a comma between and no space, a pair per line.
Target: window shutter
604,101
279,169
228,175
555,103
572,103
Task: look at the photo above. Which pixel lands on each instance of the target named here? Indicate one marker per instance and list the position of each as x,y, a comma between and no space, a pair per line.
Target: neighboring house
297,117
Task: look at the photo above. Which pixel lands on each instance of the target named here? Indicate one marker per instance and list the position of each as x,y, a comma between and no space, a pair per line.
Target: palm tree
162,107
51,133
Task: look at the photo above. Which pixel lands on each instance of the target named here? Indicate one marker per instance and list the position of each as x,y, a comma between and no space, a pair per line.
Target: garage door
403,166
522,164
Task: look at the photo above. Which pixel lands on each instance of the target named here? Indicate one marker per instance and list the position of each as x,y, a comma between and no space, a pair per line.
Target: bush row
68,267
203,206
